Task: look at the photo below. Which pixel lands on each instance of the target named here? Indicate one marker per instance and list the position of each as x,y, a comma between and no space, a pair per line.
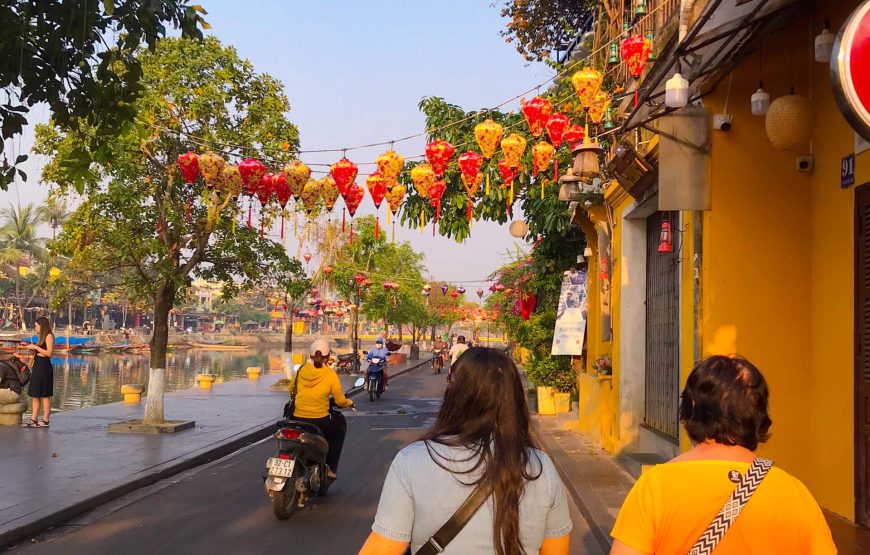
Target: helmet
319,345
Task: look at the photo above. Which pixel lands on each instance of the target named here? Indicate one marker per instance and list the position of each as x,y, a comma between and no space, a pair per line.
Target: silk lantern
310,195
635,52
188,165
599,107
508,174
283,194
264,194
438,153
297,174
328,191
542,154
586,83
537,111
436,191
344,172
423,176
377,186
556,126
488,135
469,167
390,165
210,165
230,180
252,172
574,135
513,147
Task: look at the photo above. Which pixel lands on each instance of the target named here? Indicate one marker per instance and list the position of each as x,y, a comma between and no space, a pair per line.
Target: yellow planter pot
132,392
562,402
546,401
254,372
205,380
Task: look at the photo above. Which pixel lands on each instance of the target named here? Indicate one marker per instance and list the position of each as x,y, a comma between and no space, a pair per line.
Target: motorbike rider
317,382
455,352
379,352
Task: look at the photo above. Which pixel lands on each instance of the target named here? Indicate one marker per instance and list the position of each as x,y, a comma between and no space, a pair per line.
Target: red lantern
666,240
344,172
283,194
508,174
353,195
557,124
327,270
252,173
307,257
188,164
635,52
479,293
438,153
454,294
469,165
537,112
377,186
436,191
574,135
266,188
359,278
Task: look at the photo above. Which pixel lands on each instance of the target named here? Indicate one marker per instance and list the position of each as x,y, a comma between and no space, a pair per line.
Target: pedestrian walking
479,454
719,497
42,379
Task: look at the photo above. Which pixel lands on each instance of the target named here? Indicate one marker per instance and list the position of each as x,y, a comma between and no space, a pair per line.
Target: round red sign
850,69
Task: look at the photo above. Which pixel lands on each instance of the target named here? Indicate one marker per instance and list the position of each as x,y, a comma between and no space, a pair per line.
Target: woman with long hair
42,376
481,437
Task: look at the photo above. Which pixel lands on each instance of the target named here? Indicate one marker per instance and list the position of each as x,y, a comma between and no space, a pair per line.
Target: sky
354,73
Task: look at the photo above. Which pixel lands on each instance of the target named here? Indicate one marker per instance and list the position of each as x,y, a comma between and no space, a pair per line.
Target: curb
158,473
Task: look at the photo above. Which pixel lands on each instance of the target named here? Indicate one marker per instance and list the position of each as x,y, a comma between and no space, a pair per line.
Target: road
222,507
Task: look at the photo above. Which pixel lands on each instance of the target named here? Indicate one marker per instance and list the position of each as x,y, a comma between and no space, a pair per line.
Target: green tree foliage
132,229
60,53
538,27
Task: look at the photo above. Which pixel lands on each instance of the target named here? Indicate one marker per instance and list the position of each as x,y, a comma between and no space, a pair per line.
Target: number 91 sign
850,69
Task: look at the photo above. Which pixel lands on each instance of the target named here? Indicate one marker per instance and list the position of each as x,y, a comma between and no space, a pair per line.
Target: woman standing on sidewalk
481,439
42,377
672,507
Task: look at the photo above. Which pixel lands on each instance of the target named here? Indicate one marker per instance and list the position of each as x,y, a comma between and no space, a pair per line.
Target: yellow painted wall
778,264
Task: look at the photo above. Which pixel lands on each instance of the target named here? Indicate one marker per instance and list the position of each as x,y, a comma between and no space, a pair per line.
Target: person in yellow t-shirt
724,411
316,383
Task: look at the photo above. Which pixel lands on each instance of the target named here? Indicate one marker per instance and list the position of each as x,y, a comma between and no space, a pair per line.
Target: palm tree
53,213
18,243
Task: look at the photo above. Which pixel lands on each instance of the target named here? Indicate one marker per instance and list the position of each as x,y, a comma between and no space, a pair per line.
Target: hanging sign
850,69
571,315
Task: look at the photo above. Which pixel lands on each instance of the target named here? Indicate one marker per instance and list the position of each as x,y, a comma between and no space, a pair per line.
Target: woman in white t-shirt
481,436
456,350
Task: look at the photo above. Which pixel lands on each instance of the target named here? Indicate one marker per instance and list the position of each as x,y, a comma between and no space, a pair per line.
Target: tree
294,285
57,52
19,244
53,213
538,27
132,229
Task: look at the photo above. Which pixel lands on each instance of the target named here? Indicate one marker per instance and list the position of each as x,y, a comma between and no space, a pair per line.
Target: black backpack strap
439,540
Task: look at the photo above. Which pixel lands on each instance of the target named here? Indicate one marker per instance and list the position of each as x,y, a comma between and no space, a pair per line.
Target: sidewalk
50,475
598,484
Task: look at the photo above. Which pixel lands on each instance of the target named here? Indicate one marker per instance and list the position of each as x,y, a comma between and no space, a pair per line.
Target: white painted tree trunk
154,403
288,365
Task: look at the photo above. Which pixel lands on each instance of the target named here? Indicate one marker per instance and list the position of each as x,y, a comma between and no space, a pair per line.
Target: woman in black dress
42,376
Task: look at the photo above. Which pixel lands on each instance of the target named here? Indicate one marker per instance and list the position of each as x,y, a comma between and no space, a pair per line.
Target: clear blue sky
354,73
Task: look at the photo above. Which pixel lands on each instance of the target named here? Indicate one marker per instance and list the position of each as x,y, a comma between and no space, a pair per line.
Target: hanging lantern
377,186
676,91
666,243
328,191
353,197
444,289
344,172
537,111
230,181
823,46
518,229
652,46
188,165
266,188
586,83
469,165
599,106
424,292
282,191
640,8
390,165
635,52
574,135
460,290
586,159
608,118
307,257
297,174
436,191
454,294
513,147
556,126
760,101
327,270
542,155
789,122
423,177
508,174
359,278
210,165
488,135
438,153
479,293
252,172
613,56
395,196
310,195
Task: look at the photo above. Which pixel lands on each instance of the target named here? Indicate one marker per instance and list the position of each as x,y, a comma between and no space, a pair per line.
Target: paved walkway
50,475
598,484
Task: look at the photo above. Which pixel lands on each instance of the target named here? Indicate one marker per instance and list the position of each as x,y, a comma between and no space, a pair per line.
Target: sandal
42,424
31,424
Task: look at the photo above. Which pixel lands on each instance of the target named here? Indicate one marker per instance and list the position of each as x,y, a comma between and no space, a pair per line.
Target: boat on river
216,345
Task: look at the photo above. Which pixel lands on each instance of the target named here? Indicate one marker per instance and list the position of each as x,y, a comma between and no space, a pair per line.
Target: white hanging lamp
824,45
760,101
676,91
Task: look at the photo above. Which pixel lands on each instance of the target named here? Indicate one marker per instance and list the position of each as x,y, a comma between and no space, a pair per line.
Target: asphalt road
222,507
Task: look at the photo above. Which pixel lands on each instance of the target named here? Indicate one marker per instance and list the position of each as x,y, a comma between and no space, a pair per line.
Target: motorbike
298,473
347,364
438,360
375,373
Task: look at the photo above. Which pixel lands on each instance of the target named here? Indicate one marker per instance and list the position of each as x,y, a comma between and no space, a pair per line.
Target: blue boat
74,340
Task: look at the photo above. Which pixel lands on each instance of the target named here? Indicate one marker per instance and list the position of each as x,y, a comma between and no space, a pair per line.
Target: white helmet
319,345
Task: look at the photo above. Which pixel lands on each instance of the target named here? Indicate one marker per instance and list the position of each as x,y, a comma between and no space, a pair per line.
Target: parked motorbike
298,473
348,363
375,373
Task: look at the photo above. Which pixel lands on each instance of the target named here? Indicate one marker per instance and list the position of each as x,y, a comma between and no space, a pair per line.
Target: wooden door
862,354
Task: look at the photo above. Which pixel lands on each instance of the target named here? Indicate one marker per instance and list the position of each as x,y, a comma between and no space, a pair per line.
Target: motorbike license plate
376,360
282,467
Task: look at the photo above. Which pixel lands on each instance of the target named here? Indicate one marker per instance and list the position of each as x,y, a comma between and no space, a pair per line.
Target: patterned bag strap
731,510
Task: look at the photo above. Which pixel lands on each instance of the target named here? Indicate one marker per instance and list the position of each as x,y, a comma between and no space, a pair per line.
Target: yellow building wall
778,271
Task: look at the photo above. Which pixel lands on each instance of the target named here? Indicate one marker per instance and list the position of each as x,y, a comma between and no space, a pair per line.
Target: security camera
804,164
722,122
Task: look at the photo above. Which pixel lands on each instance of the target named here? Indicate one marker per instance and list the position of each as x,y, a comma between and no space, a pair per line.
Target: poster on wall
571,315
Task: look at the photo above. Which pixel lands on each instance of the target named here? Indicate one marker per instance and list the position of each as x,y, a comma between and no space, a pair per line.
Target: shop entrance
862,355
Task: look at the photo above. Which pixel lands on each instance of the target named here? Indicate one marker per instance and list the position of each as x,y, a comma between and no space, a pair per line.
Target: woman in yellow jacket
315,384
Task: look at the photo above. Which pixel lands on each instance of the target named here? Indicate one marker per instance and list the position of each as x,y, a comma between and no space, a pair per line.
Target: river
88,380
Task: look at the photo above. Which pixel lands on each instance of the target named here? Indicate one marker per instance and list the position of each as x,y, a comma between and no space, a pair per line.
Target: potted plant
603,366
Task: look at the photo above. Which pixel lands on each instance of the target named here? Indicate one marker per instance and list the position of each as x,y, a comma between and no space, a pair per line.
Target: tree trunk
157,376
288,333
18,294
400,332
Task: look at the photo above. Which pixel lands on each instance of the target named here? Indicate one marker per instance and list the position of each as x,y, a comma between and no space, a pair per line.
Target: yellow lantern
310,195
423,177
210,166
297,174
230,180
328,191
488,135
513,147
542,155
599,106
390,165
587,83
53,274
